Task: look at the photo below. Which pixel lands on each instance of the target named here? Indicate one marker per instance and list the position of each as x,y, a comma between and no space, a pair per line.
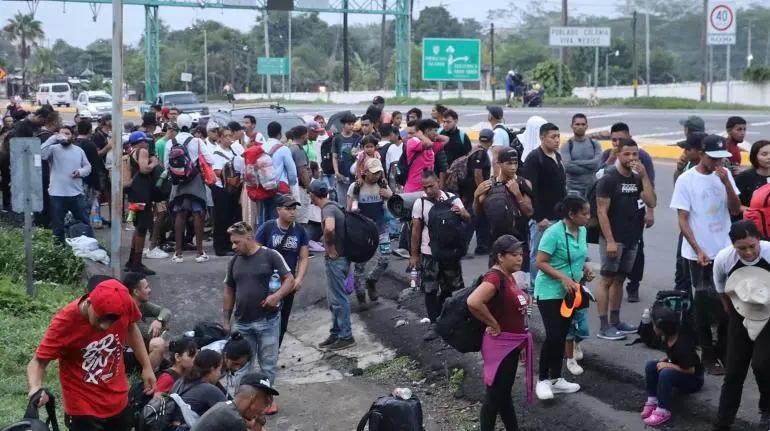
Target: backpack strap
273,150
364,420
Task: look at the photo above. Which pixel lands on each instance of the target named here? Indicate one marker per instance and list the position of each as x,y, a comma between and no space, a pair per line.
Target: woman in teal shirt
561,265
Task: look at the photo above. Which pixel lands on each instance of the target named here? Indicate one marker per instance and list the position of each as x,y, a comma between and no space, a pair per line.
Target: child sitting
369,145
681,368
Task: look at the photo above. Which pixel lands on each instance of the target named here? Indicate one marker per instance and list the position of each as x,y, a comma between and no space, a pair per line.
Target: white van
58,93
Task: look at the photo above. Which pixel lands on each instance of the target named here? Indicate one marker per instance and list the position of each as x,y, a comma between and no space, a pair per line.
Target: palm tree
45,62
26,31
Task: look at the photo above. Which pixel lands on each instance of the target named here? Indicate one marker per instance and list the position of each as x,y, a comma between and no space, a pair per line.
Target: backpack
383,150
81,229
403,167
445,230
259,174
389,413
206,332
137,399
159,412
362,236
181,169
327,166
572,145
675,300
759,210
457,325
31,420
457,174
501,210
231,179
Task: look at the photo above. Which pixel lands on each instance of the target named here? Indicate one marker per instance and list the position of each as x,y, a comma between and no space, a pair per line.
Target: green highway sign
451,59
273,66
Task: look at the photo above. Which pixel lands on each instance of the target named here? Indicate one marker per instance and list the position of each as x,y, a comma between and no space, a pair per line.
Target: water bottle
275,284
646,316
403,393
413,278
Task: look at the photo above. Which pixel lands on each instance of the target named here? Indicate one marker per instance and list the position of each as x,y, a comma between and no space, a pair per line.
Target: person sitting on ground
237,355
681,367
183,351
246,412
200,387
153,323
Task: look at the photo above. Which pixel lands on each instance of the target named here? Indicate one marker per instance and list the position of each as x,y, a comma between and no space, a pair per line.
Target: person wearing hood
69,165
530,139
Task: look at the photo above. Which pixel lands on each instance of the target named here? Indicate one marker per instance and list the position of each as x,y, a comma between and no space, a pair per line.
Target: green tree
435,22
26,31
45,62
547,74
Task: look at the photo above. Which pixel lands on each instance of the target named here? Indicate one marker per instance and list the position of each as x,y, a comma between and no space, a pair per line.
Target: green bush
52,263
547,74
757,74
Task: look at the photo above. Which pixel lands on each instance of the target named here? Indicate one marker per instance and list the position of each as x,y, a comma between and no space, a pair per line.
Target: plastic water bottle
275,284
646,316
403,393
413,278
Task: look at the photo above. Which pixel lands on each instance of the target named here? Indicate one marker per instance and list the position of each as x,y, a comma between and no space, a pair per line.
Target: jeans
59,207
332,181
534,244
498,399
556,329
742,352
661,383
268,210
263,337
337,298
342,191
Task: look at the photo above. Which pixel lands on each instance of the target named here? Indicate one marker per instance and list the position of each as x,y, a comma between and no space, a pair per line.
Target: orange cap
566,310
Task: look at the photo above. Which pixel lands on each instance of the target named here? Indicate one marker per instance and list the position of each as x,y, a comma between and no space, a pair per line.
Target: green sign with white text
451,59
273,66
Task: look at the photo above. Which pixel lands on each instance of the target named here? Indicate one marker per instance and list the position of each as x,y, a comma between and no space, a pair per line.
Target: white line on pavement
617,114
764,123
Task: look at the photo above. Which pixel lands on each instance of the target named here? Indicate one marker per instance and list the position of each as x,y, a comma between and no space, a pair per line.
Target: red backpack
759,210
259,174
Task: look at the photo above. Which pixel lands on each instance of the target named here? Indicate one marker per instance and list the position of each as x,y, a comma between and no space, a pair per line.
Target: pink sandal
658,417
648,409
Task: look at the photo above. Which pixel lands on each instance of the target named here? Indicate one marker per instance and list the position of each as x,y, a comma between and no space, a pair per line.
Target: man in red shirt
87,336
736,133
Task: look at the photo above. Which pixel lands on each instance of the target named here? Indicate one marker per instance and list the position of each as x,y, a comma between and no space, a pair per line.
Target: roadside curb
71,110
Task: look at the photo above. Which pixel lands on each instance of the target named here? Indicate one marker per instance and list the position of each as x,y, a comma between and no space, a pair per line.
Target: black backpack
181,168
403,167
362,237
501,210
31,420
207,332
389,413
327,166
445,230
159,412
457,325
137,399
676,301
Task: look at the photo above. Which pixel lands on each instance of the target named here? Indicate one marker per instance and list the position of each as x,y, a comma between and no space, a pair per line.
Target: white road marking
764,123
613,115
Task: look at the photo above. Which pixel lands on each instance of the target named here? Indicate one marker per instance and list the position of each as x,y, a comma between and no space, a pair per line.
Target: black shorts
143,220
119,422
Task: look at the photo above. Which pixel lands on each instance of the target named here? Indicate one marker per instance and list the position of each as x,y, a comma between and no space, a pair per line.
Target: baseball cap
694,123
135,137
211,125
496,111
374,166
715,147
694,141
184,120
313,125
110,297
319,187
234,126
96,280
486,135
507,154
258,380
287,201
171,125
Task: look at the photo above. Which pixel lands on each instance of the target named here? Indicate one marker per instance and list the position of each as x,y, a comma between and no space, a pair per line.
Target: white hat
184,120
211,125
511,72
749,290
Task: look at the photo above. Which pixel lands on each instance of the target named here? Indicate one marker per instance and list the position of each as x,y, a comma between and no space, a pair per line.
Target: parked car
94,104
264,114
186,101
58,94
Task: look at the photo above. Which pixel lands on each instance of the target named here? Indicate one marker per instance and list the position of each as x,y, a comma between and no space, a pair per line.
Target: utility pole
564,20
383,45
345,59
634,60
205,65
267,52
492,57
749,55
290,68
116,189
647,48
767,49
704,51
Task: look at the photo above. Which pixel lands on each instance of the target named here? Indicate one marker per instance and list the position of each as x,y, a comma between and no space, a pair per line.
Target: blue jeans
268,210
332,181
263,336
660,384
337,298
59,207
534,244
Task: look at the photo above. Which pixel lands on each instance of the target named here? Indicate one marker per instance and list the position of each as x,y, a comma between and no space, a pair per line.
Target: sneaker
177,258
561,386
626,329
577,351
574,367
130,227
271,409
658,417
612,334
145,251
371,289
402,253
632,297
202,258
342,343
431,334
156,253
315,246
331,339
648,409
543,390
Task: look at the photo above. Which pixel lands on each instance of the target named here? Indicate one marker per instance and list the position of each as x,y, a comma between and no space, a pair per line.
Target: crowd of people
532,202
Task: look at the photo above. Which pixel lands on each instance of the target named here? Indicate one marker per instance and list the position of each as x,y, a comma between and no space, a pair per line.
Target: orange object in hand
576,300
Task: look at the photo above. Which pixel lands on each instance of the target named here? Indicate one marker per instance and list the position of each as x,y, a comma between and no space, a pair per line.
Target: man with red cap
88,338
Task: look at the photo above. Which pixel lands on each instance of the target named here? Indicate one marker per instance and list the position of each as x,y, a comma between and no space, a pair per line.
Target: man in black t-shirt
479,169
95,181
619,195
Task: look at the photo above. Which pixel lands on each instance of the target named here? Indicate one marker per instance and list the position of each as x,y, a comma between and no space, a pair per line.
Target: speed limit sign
721,22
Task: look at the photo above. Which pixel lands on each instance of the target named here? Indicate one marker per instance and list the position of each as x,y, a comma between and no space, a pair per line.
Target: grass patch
456,379
52,263
23,321
652,103
401,367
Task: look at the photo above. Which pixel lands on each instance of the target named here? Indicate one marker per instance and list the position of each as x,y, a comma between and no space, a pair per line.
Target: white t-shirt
728,261
220,160
421,209
705,198
393,156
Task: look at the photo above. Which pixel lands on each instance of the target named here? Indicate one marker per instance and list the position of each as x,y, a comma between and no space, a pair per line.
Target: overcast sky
74,23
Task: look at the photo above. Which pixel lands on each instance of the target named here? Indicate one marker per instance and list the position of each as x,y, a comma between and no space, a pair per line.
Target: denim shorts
578,329
622,264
